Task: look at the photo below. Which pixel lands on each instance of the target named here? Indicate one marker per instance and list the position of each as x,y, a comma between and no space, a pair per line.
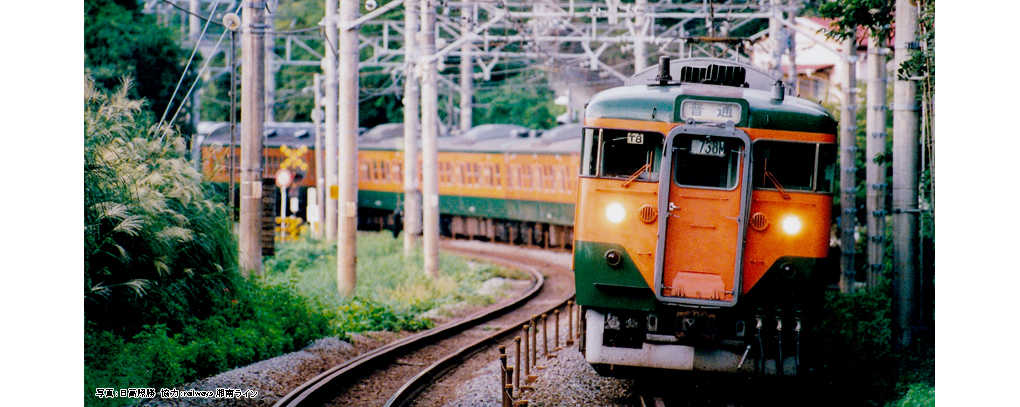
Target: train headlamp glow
615,212
791,224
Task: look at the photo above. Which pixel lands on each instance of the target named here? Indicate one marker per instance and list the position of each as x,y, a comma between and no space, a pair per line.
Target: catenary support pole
466,70
641,29
320,179
429,127
875,148
271,66
347,239
194,32
904,189
252,75
848,169
412,130
329,70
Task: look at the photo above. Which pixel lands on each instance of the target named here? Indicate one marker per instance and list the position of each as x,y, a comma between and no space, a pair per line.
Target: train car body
496,182
703,217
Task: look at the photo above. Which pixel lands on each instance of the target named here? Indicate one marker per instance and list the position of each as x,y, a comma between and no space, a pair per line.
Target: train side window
784,165
623,153
588,152
826,168
701,161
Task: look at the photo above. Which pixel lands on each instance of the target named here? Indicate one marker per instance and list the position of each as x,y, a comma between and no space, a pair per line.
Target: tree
121,41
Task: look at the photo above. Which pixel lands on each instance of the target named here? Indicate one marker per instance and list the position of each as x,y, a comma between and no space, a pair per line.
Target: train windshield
702,161
794,166
621,154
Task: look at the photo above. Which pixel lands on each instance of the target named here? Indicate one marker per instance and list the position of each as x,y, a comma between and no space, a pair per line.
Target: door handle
671,207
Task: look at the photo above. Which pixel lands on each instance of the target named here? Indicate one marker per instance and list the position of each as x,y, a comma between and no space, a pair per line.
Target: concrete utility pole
269,42
465,71
905,166
876,148
848,168
252,75
320,180
194,32
412,194
329,69
429,127
346,259
641,28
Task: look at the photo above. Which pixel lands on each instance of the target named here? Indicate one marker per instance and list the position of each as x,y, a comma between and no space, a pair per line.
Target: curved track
332,386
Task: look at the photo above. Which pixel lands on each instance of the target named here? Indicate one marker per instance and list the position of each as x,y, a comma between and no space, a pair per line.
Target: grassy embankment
294,303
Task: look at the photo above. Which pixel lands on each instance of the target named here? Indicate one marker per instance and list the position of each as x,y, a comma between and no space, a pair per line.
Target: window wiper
637,174
777,184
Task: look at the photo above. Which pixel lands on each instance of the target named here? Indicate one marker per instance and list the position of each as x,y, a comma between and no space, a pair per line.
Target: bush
261,322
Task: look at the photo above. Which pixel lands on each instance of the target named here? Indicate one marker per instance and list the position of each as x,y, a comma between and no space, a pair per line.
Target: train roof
275,134
645,100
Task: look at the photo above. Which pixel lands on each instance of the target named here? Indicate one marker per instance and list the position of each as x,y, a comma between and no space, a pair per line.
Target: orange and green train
702,221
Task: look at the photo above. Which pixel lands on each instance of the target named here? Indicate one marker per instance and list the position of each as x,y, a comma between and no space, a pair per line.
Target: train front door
704,196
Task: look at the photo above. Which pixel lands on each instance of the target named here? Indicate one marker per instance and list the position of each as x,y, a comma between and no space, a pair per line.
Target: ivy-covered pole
875,156
847,165
905,166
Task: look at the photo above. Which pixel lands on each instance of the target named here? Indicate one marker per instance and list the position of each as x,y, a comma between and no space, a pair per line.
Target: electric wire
180,80
198,78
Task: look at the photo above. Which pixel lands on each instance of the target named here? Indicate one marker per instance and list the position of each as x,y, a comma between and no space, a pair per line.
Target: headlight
615,212
791,224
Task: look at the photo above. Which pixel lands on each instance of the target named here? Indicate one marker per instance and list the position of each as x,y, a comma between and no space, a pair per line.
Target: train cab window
794,166
624,153
784,165
826,168
589,139
710,162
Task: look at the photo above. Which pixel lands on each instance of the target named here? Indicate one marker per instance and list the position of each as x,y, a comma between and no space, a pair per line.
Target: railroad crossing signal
294,158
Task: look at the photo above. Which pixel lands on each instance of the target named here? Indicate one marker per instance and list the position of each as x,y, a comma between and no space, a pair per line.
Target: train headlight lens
791,224
615,212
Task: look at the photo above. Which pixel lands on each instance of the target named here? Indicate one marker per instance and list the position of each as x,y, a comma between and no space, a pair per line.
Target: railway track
393,374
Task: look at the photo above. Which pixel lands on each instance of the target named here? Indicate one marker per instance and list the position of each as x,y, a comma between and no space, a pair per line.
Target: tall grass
386,279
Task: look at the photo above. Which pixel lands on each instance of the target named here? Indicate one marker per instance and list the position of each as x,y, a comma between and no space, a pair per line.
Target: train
702,222
497,182
697,211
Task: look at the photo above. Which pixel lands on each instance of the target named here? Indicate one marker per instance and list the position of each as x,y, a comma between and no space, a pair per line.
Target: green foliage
875,15
157,248
121,41
258,322
391,292
523,100
919,395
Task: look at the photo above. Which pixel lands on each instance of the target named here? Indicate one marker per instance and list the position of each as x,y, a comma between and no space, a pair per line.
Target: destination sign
708,111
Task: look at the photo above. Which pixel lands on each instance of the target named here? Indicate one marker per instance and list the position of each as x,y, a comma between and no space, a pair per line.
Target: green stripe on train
600,285
530,211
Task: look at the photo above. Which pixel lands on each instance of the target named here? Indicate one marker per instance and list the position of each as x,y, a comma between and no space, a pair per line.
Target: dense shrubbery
859,360
157,250
260,322
163,302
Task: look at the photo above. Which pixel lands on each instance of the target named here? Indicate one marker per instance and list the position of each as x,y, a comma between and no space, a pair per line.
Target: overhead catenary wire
184,73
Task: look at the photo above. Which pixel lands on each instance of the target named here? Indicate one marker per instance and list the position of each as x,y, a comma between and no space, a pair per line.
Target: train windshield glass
826,168
623,152
794,166
784,165
702,161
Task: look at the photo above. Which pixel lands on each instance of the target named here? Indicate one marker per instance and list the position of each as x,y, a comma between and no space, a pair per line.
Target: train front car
702,222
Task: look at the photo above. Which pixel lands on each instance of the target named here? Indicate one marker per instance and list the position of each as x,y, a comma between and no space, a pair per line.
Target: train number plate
635,138
714,148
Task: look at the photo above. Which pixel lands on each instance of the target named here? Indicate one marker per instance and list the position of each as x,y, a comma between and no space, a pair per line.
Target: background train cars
496,181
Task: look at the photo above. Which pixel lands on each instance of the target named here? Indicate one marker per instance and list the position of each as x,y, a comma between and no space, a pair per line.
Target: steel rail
428,376
323,387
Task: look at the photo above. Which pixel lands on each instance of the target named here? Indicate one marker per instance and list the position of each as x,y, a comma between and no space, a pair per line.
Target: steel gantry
478,38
